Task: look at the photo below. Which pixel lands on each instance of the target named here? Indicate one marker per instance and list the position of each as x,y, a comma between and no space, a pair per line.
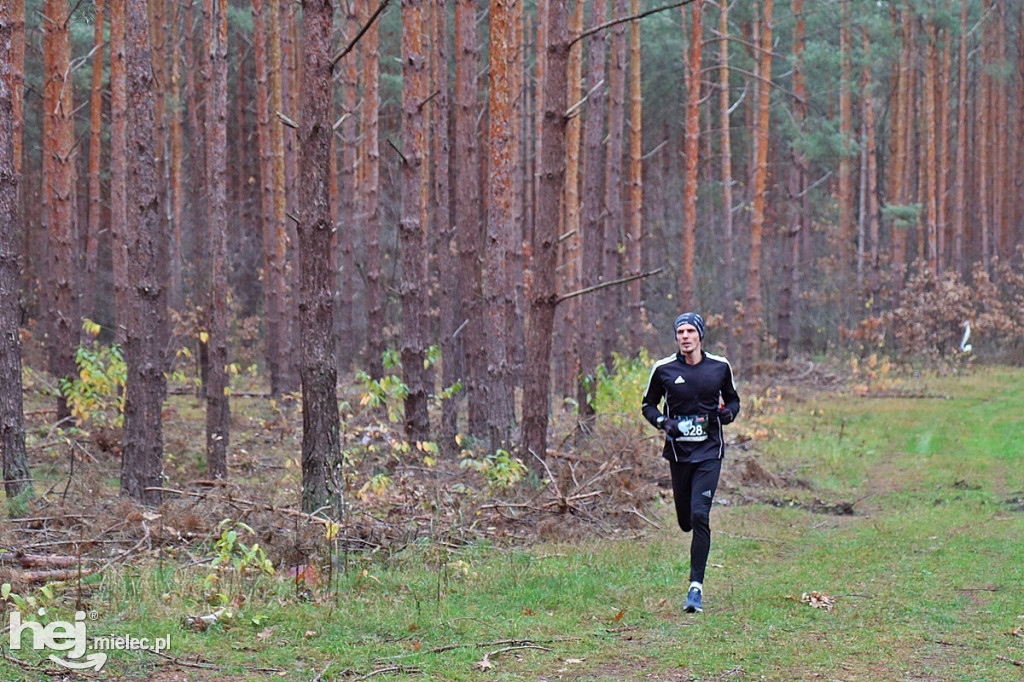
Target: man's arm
730,397
652,399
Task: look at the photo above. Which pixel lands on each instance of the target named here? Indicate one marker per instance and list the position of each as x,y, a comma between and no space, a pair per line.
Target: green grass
927,575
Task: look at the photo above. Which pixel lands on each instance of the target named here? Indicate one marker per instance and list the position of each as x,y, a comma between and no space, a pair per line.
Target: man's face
688,338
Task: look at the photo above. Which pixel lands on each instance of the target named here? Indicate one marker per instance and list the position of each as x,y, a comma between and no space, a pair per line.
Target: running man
699,399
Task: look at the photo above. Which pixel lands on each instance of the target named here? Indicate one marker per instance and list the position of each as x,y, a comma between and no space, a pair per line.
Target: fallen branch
1019,664
56,575
485,663
253,506
41,560
202,665
390,669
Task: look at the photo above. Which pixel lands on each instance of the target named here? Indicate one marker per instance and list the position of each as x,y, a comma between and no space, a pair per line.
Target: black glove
671,427
725,416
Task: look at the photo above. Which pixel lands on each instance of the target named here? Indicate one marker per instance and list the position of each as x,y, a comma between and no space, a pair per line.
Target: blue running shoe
693,603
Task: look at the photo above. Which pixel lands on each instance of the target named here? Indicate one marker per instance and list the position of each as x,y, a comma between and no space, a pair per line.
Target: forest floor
439,571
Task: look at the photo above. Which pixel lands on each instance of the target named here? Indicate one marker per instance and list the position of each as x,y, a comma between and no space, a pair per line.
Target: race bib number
694,428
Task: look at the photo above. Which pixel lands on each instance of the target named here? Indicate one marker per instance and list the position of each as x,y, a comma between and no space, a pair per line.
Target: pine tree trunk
544,295
321,424
264,140
845,233
931,135
611,298
412,231
347,345
15,57
687,298
467,211
218,413
871,170
58,150
17,478
960,177
118,167
371,202
752,309
634,239
146,331
95,221
496,280
945,138
278,317
796,182
176,295
567,314
592,227
725,119
985,144
1001,175
452,368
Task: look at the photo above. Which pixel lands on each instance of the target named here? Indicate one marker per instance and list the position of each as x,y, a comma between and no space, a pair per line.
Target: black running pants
693,488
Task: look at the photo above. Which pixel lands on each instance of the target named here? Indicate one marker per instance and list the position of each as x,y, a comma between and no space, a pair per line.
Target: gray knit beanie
690,318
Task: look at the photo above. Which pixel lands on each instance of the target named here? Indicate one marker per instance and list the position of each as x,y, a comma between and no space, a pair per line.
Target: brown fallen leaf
818,600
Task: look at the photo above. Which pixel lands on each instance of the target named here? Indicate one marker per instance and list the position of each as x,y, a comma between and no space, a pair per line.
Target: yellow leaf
429,461
227,390
204,337
458,439
331,530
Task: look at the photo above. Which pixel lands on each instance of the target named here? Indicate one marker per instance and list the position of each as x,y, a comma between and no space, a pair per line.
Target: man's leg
682,488
704,483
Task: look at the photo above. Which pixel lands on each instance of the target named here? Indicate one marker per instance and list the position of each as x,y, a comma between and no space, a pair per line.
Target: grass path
927,575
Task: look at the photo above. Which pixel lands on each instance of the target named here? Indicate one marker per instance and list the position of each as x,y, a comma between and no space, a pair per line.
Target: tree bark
59,150
467,212
845,234
545,244
960,174
592,227
567,315
611,298
728,268
349,280
95,220
931,135
496,279
278,318
691,152
412,231
452,362
176,295
371,202
118,167
871,171
796,181
752,310
218,411
146,337
17,478
15,56
320,420
634,239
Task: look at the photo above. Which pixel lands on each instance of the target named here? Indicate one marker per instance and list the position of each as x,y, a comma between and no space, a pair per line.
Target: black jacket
693,393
